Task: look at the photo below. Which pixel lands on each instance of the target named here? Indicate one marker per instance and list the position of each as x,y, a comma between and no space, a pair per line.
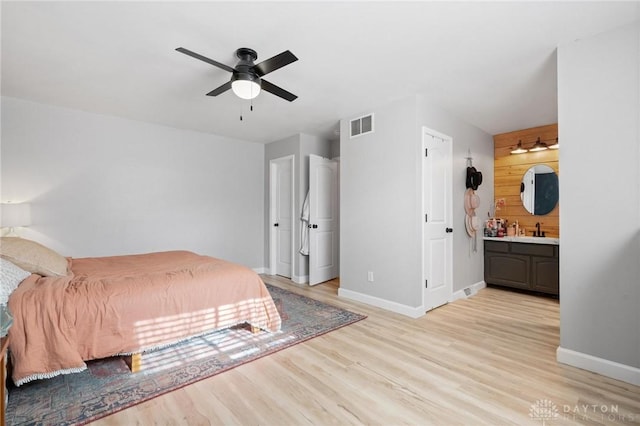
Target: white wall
598,121
102,185
381,197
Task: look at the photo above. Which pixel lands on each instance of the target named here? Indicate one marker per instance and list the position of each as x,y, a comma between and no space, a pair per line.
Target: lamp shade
245,86
538,146
18,214
519,149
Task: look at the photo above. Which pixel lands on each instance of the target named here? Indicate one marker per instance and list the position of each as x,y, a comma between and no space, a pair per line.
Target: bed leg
134,361
255,330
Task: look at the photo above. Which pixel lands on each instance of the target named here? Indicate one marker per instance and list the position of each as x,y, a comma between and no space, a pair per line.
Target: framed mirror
539,190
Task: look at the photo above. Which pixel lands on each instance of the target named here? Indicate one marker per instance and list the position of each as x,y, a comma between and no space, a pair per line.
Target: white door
281,216
323,219
437,240
528,194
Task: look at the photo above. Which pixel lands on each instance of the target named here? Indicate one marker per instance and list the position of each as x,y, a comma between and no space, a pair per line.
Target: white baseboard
474,288
296,279
410,311
300,279
602,366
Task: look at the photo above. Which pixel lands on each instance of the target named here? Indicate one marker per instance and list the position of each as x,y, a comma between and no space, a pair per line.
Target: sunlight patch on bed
157,332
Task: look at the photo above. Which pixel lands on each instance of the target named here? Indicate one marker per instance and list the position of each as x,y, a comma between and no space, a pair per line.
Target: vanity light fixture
555,145
538,146
519,149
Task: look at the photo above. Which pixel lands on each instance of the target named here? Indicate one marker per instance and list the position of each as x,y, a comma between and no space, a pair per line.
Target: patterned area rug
108,386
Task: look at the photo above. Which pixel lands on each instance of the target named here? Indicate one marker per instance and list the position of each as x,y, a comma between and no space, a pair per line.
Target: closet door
281,216
437,238
323,219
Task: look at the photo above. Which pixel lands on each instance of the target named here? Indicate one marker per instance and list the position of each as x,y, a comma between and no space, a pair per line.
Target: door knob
449,230
314,226
276,224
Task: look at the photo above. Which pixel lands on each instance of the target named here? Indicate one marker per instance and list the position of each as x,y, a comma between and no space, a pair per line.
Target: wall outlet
370,276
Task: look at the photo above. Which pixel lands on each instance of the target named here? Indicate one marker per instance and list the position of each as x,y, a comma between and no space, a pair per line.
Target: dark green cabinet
525,266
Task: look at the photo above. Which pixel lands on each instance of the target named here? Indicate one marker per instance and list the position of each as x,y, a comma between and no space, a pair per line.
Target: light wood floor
489,359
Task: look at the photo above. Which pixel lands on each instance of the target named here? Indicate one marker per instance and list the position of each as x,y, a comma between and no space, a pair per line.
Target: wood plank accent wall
509,169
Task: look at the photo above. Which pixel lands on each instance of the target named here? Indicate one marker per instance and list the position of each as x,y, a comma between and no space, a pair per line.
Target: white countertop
531,240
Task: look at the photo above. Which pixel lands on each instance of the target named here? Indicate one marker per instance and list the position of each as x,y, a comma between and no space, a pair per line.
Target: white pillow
10,276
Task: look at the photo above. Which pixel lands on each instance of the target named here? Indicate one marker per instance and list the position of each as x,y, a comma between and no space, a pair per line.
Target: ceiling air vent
361,125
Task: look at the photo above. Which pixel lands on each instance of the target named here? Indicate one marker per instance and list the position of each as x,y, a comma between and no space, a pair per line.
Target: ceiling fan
246,78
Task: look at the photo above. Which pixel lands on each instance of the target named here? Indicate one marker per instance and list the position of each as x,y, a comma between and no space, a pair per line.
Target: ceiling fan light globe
245,89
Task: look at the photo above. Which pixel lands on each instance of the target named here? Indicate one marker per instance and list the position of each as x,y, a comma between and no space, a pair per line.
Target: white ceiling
492,64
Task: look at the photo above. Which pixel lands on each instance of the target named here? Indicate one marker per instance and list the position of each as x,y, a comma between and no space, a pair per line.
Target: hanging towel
304,227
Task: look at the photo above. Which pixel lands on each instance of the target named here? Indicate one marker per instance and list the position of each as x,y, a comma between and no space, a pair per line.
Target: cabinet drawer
533,249
498,246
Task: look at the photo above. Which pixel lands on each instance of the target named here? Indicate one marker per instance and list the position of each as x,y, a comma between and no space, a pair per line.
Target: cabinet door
546,274
511,270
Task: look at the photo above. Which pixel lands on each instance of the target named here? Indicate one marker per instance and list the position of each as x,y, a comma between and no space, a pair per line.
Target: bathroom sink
536,240
532,240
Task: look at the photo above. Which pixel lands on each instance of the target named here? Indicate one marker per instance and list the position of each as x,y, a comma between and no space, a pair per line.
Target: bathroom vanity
525,263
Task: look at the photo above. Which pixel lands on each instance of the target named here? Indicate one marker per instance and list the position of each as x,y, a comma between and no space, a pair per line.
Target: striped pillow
10,277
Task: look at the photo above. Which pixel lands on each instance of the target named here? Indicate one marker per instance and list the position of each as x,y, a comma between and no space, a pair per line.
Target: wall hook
469,158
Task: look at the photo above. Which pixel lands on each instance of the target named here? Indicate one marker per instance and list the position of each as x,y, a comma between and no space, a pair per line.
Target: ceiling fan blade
277,62
278,91
205,59
221,89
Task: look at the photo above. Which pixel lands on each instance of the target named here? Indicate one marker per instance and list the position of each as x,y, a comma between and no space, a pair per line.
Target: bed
127,305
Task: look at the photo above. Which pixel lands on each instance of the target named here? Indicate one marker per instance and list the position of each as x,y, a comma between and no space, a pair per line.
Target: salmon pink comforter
128,304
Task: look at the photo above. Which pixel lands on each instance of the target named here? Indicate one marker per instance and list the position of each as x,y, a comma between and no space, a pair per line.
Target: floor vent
361,125
467,292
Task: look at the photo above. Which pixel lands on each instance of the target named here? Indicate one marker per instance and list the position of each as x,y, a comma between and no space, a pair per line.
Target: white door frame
429,132
273,241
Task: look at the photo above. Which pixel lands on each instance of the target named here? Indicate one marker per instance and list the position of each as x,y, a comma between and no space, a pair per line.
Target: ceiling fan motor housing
246,76
244,68
246,54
